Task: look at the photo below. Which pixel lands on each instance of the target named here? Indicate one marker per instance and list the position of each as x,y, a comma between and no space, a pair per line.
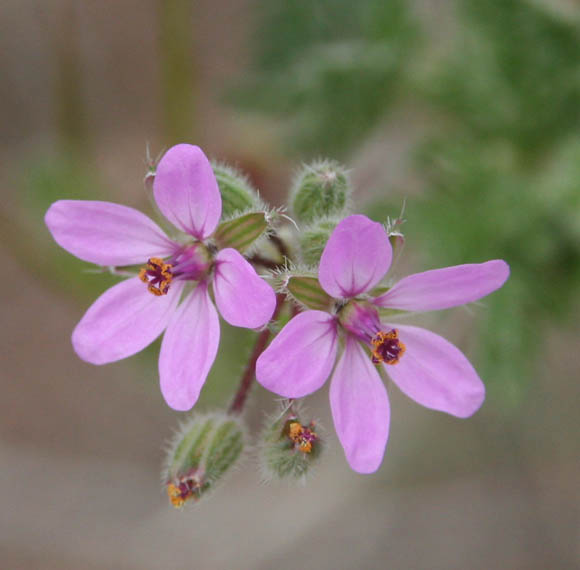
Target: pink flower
424,366
133,313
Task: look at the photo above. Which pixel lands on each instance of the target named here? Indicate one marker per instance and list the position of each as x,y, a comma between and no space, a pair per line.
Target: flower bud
241,232
313,240
290,446
321,189
236,191
203,450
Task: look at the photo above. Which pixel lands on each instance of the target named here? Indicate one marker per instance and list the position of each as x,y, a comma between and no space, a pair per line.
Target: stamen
387,347
303,437
186,488
158,275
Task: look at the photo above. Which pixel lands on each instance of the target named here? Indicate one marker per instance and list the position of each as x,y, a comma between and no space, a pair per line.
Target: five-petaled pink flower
426,367
133,313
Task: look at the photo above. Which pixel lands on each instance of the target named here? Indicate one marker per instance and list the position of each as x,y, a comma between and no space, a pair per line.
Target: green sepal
309,292
378,291
240,233
391,313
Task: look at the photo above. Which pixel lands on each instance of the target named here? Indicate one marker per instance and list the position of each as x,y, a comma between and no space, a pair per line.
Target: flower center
303,437
192,262
360,319
183,489
158,275
387,347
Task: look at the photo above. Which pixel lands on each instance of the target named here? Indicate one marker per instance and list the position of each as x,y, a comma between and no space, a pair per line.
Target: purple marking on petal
105,233
360,409
356,257
243,298
301,356
188,350
187,192
123,321
446,287
436,374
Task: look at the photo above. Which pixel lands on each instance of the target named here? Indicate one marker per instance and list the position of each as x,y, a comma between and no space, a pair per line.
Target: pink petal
106,233
188,350
300,358
187,192
356,257
436,374
122,321
360,409
243,298
447,287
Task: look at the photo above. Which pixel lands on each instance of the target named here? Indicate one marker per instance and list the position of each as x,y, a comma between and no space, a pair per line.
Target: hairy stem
239,400
280,245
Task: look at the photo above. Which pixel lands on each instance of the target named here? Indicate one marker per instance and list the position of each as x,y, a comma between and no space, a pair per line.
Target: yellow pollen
158,275
295,430
301,436
387,347
175,496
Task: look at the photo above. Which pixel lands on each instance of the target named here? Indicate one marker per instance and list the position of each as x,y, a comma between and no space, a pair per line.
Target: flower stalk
249,374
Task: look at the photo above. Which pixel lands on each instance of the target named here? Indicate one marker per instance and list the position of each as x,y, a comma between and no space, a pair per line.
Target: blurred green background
466,112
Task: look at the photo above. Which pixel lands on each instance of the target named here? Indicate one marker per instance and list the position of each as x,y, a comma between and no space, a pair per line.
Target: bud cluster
315,281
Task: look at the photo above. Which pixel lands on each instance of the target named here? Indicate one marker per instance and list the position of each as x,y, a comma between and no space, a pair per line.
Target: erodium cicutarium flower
133,313
425,366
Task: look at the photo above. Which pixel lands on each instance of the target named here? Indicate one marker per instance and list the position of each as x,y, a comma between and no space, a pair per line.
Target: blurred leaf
331,68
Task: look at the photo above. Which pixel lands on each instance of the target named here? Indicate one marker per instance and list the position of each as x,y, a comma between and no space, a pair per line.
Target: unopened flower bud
237,193
290,446
205,448
313,240
321,189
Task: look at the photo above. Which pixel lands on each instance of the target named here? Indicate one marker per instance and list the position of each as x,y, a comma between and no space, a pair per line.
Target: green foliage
317,59
515,74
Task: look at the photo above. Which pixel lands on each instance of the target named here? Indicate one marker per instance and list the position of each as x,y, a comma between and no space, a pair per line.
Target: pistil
387,347
158,275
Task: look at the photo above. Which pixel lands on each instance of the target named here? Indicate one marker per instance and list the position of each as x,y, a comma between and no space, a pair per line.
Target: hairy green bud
237,193
321,189
203,450
290,446
313,240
